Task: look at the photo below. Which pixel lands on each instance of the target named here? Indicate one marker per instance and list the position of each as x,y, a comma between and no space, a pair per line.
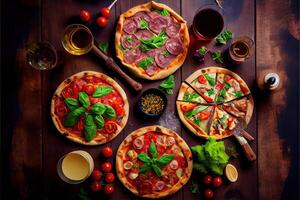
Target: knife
237,132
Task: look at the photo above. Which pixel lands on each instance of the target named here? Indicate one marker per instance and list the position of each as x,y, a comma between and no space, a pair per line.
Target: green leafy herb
84,99
98,109
190,97
72,103
202,51
168,84
144,157
122,48
165,53
152,150
154,42
146,62
227,85
102,91
129,40
210,92
210,157
217,56
145,168
196,121
224,37
90,128
143,24
74,116
238,93
197,110
165,159
156,169
109,112
211,80
195,188
99,121
103,46
221,95
163,12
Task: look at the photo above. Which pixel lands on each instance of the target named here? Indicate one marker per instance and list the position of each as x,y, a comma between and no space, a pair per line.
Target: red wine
208,23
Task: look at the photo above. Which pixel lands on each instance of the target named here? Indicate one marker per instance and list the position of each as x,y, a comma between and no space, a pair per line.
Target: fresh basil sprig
98,109
224,37
90,128
99,121
72,103
109,112
154,42
146,62
195,111
102,91
74,116
103,46
84,99
163,12
217,56
152,162
168,84
210,79
143,24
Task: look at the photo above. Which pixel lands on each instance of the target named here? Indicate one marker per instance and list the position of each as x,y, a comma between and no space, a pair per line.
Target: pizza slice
188,94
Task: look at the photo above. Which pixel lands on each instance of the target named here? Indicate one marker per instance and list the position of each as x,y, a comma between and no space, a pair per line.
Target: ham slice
157,24
130,26
141,15
173,29
129,41
163,61
144,34
151,70
132,56
174,46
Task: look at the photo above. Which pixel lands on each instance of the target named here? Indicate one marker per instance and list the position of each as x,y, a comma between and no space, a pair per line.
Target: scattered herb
163,12
210,157
195,188
224,37
221,95
227,85
211,80
165,53
168,84
152,104
217,56
102,91
143,24
210,92
202,51
190,97
129,40
154,42
197,121
146,62
103,46
238,93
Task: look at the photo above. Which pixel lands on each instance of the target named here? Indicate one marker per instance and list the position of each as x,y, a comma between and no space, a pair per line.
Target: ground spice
152,104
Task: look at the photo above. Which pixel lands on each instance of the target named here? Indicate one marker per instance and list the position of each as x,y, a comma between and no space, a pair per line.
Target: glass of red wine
208,22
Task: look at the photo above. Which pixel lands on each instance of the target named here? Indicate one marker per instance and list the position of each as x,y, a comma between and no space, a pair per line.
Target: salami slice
158,23
163,61
174,46
151,70
153,14
145,188
173,29
130,26
141,15
129,41
132,56
144,34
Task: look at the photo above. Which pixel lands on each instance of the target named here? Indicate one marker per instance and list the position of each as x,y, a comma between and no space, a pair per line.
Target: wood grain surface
31,146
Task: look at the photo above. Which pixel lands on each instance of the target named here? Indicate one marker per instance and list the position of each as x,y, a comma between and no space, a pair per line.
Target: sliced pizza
188,94
153,162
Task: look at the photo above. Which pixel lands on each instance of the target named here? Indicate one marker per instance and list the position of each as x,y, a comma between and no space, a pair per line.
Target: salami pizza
152,40
153,162
211,100
89,108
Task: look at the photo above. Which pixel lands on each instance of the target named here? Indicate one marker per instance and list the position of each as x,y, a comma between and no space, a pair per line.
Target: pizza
211,101
89,108
152,40
153,162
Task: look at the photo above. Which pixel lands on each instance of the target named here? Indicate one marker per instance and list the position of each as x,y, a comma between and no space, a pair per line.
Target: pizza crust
175,64
181,143
99,139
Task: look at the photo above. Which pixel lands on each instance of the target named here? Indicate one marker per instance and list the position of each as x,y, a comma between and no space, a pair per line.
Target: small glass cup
208,22
41,55
241,49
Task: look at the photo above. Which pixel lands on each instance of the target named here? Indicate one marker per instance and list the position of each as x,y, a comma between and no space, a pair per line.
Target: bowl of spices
152,102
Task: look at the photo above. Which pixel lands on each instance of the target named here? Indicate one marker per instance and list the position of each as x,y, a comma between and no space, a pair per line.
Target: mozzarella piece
174,164
133,175
128,165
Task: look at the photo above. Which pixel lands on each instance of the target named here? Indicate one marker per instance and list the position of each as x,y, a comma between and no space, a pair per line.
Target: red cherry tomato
110,127
96,175
89,88
109,178
207,179
109,189
202,79
208,194
217,182
107,152
96,186
102,21
61,110
208,99
204,115
188,106
85,16
106,167
105,12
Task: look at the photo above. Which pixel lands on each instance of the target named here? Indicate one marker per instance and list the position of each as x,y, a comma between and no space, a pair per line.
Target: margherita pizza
211,100
154,162
152,40
89,108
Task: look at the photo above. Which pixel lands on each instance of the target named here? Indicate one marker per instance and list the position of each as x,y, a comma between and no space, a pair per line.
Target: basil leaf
220,99
154,42
144,157
98,109
222,92
146,62
168,84
163,12
74,116
102,91
210,92
152,150
99,121
195,111
156,169
84,99
190,97
196,121
90,128
129,40
122,48
224,37
143,24
165,159
216,56
109,112
227,85
103,46
145,168
238,93
202,51
72,103
210,80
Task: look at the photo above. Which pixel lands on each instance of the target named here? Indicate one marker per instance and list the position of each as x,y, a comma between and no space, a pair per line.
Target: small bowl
154,91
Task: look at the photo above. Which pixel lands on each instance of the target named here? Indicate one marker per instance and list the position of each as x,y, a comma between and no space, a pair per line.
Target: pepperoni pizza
152,40
89,108
153,162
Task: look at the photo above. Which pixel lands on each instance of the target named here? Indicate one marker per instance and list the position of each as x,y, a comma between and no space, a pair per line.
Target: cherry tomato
85,15
204,115
96,175
217,182
188,106
107,152
67,93
109,178
208,99
109,189
208,194
207,179
89,88
105,12
96,186
106,167
110,127
61,110
102,21
202,79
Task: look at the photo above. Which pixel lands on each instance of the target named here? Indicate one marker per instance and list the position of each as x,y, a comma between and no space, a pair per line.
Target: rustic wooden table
31,146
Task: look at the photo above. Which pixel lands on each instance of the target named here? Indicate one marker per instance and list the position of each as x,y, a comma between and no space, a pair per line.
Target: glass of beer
241,49
208,22
77,39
